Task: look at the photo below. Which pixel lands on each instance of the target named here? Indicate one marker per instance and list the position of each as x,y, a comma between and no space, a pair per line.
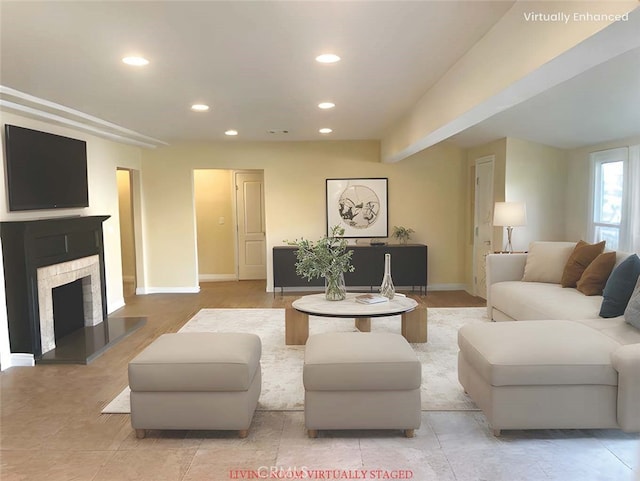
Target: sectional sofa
562,365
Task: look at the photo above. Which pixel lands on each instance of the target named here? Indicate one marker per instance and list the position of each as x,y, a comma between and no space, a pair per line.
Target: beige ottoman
358,380
196,381
539,374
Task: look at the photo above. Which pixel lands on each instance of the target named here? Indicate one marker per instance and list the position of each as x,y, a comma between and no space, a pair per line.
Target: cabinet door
284,269
408,265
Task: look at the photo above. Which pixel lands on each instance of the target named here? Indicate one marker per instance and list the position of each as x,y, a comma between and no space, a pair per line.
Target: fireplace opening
68,309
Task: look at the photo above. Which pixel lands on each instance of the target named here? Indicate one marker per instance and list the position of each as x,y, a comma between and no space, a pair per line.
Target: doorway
127,232
230,226
483,222
215,224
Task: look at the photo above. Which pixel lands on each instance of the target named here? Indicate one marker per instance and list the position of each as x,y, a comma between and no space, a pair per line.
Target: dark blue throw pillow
619,287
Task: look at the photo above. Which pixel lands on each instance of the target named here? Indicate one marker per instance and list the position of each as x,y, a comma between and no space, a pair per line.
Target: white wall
103,159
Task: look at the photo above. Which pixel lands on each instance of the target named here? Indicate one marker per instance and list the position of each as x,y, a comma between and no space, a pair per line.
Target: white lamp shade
509,214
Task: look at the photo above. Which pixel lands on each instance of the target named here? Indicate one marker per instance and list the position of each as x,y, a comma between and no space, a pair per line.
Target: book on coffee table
371,298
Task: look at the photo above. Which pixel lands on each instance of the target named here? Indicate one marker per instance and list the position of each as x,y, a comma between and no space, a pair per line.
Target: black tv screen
45,171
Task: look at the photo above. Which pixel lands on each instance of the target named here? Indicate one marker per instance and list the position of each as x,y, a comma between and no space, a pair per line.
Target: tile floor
448,446
51,428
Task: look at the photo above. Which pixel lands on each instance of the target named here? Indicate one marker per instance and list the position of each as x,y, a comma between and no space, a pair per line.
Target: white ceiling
597,106
253,63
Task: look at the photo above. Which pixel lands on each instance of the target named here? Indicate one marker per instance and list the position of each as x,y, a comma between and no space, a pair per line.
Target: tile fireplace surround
40,255
49,277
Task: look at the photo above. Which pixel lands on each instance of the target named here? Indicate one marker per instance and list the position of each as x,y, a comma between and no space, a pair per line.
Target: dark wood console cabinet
408,267
28,245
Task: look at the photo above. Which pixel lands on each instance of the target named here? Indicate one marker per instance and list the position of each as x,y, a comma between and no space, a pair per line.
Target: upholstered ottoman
539,374
361,380
196,381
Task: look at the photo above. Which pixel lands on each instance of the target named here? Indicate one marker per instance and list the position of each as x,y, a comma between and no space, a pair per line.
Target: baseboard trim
21,360
217,277
115,305
430,287
447,287
141,291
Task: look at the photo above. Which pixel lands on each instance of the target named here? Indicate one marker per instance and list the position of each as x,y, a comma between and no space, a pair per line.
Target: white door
483,223
252,258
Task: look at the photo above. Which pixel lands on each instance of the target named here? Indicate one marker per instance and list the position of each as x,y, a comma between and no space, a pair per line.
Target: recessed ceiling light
231,132
326,105
325,131
136,61
199,107
327,58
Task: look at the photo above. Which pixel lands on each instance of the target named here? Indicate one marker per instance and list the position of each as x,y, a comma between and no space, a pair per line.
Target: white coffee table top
318,305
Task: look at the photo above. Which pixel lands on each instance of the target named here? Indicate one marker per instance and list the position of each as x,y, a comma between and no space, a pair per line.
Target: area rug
282,388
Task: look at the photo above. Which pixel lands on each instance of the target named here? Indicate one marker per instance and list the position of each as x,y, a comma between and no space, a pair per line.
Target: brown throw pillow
595,276
579,260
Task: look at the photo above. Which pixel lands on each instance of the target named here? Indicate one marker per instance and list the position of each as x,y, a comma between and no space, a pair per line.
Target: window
609,219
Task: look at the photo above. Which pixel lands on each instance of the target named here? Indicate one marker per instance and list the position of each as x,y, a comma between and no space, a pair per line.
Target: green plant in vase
328,258
403,234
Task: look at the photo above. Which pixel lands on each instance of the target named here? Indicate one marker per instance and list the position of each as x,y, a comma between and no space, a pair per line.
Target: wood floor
50,414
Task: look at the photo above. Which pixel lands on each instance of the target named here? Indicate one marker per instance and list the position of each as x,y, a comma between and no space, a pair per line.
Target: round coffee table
413,318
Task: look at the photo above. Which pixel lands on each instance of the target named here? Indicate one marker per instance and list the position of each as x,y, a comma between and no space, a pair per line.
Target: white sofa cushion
527,301
616,328
538,353
546,261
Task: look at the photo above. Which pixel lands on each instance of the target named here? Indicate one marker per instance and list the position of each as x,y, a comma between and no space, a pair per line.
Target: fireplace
68,278
41,255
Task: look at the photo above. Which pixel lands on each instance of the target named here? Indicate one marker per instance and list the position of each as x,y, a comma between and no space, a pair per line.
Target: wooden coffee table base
413,326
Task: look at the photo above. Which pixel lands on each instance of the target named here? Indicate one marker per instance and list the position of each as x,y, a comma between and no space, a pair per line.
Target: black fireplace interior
68,309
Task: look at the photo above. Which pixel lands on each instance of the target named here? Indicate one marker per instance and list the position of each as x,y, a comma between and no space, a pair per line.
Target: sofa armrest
626,360
503,267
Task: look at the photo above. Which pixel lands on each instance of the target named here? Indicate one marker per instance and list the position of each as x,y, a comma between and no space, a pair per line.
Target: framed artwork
359,206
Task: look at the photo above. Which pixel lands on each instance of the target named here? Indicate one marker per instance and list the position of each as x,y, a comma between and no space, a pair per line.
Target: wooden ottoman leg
141,433
409,433
313,433
243,433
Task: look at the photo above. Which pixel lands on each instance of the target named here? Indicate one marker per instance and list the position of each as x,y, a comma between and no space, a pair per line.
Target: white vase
387,289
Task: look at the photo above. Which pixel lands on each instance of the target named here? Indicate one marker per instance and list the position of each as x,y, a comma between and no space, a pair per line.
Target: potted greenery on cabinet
403,234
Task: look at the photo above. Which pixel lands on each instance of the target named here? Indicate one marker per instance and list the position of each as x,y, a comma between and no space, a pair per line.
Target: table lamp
509,215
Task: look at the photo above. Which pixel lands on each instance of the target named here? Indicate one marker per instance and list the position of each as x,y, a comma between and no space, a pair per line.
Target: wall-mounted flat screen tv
45,171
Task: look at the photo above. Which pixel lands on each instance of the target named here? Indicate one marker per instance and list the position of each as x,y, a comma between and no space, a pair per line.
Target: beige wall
425,193
498,149
536,174
126,225
579,186
523,171
515,60
215,240
104,157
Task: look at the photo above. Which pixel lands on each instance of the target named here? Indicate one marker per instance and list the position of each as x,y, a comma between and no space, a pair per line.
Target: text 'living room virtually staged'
320,240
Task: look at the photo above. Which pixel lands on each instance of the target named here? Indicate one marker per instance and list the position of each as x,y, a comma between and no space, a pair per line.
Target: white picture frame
359,206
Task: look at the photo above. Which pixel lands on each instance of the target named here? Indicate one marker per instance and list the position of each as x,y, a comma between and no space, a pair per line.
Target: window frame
599,158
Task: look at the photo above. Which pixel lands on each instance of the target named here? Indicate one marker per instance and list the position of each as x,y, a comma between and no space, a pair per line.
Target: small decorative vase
334,287
387,289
